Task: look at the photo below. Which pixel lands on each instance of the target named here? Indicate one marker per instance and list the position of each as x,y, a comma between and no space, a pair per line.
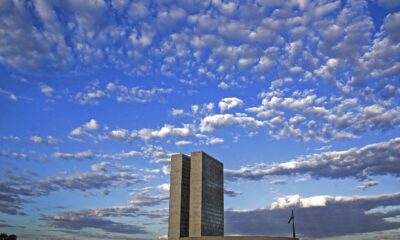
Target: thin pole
294,231
291,219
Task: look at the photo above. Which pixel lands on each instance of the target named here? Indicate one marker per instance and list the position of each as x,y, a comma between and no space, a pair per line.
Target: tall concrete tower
178,222
206,214
196,206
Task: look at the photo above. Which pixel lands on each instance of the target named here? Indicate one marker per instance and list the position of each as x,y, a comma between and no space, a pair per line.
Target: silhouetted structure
291,219
4,236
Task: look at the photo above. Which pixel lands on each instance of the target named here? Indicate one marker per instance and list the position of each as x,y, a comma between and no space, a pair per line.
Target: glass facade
185,196
212,207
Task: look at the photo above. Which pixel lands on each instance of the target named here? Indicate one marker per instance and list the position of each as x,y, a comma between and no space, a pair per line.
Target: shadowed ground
237,238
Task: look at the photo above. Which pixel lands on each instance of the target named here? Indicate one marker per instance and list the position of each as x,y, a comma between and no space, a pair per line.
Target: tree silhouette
12,237
3,236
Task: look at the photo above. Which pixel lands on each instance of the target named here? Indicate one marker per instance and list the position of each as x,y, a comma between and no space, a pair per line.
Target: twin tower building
196,206
196,203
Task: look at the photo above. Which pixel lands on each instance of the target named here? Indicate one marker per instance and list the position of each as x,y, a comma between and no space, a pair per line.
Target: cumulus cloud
164,187
10,138
84,220
119,134
101,166
48,139
90,180
145,197
15,191
278,181
165,131
11,96
367,184
307,116
47,90
177,112
214,140
94,92
226,41
208,140
315,216
182,143
230,192
157,154
376,159
229,103
14,155
78,155
120,155
85,129
36,139
212,122
91,125
103,219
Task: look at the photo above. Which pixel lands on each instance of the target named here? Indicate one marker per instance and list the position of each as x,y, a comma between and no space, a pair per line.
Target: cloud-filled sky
299,99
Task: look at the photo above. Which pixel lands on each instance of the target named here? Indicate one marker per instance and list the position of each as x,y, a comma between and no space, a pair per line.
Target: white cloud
100,166
47,90
119,155
229,103
90,96
323,148
78,155
212,122
36,139
157,154
14,155
143,40
164,187
349,213
91,125
371,160
225,7
33,187
10,138
177,112
182,143
163,237
264,63
368,183
165,131
10,95
195,108
290,103
48,139
76,131
166,169
145,197
214,140
119,134
223,85
228,40
121,93
230,192
278,181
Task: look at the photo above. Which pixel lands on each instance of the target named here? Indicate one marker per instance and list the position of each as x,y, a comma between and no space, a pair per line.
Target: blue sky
298,99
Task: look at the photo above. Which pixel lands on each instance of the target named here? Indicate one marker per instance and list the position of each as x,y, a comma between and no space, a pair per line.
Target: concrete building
196,203
206,216
178,222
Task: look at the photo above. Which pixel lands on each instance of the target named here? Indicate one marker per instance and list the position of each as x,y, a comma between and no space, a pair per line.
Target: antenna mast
291,219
